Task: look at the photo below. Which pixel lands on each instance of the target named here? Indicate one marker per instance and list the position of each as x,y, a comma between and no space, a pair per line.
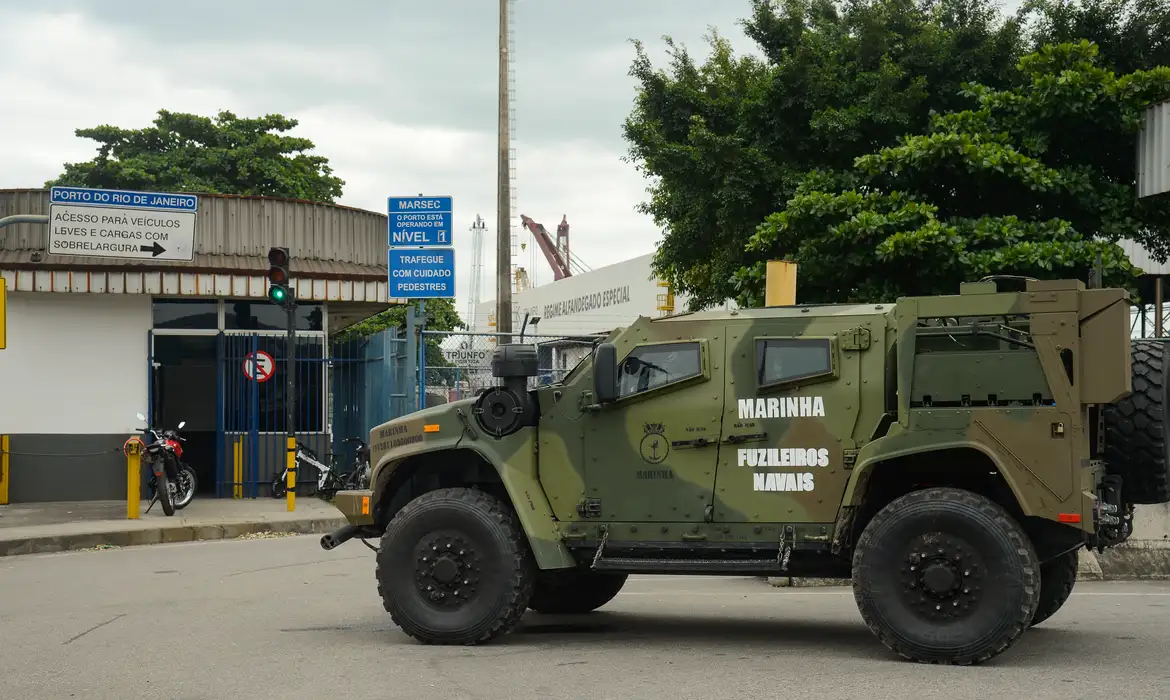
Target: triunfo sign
465,354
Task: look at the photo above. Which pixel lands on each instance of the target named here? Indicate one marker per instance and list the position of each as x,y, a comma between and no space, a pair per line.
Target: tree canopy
817,130
1008,187
190,153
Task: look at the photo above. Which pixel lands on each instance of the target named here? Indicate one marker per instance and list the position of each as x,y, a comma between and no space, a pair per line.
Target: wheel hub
939,577
942,577
446,570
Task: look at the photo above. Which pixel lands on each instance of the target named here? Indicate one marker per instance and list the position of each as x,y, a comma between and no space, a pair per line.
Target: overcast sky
399,95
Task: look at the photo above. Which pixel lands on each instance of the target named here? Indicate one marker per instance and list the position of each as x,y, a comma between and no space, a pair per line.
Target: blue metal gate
343,389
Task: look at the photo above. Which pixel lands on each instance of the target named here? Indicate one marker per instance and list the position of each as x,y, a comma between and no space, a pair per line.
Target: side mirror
140,416
605,383
181,424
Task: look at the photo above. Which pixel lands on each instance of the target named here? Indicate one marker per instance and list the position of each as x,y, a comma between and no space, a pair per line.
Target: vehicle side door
788,421
651,454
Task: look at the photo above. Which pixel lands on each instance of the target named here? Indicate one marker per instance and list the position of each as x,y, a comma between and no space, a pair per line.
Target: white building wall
75,363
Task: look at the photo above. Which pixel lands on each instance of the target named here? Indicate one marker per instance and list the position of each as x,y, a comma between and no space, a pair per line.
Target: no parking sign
259,366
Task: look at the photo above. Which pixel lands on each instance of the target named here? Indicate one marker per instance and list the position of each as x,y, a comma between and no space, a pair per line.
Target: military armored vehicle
950,454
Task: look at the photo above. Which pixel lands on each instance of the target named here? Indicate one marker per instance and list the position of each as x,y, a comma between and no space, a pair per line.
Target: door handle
697,442
737,439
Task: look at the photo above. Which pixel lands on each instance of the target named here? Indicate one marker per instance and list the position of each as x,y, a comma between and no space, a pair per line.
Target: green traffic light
276,294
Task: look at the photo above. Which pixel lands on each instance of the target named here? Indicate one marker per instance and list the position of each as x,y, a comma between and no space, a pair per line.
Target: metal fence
455,365
343,389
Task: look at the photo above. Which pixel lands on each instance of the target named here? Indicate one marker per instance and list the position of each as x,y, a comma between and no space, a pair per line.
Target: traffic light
279,288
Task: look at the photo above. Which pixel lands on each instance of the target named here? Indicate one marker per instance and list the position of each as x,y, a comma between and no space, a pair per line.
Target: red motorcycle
171,481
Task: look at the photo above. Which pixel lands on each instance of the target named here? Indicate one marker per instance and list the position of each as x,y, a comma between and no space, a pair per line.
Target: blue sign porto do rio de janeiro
91,197
420,221
422,273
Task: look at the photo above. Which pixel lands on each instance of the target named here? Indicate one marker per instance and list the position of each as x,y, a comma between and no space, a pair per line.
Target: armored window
651,366
781,361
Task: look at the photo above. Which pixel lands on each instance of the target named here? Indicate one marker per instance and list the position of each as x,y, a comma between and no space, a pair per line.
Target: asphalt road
280,618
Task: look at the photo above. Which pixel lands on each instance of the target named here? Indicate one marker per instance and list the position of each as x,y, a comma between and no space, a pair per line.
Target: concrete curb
1134,560
10,546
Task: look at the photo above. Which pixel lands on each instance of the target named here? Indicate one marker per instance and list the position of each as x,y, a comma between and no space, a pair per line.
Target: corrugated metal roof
232,231
188,282
1153,152
223,264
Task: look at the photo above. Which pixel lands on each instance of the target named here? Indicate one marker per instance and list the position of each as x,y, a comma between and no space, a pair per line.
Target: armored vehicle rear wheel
1137,435
574,591
1057,577
454,567
944,575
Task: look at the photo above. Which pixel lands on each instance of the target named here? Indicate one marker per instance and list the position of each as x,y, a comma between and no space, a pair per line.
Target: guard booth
229,385
192,339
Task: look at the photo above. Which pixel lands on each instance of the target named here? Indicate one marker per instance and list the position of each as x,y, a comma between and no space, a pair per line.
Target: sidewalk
55,527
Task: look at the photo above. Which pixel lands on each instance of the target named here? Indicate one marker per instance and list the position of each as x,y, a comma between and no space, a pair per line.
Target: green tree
190,153
1132,34
728,143
1035,180
440,316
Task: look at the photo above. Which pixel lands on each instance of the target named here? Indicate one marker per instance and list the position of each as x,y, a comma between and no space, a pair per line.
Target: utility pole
503,203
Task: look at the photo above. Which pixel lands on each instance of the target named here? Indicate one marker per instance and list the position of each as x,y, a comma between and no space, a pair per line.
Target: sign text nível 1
100,223
421,253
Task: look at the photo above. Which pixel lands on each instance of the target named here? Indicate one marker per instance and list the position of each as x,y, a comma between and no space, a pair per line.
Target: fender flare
881,454
528,501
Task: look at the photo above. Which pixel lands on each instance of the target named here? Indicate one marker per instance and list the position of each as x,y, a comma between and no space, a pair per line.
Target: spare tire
1137,442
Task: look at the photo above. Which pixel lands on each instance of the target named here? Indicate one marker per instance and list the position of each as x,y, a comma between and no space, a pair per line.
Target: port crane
556,252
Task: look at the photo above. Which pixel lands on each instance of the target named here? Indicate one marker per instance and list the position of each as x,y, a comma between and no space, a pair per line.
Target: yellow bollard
238,468
292,473
133,451
3,311
3,470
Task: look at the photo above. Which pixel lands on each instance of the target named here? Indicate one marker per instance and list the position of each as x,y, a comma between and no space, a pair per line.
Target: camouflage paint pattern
443,429
1042,451
714,448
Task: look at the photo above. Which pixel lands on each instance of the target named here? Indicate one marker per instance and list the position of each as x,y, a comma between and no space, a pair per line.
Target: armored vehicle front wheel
944,575
454,567
1057,577
574,591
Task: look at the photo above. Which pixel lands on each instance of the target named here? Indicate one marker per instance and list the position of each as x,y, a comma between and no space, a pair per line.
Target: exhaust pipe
339,536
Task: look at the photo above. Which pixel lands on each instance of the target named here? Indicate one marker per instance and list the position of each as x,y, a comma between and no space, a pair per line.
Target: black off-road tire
480,539
574,591
1057,577
1137,436
996,578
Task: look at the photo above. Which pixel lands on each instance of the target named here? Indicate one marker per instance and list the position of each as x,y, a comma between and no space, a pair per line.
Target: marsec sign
100,223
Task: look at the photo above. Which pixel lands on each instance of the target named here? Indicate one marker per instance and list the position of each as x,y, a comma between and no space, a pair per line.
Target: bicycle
328,481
